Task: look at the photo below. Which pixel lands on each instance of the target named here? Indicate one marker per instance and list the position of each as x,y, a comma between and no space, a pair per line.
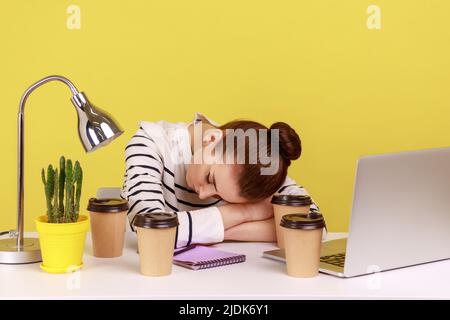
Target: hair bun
290,144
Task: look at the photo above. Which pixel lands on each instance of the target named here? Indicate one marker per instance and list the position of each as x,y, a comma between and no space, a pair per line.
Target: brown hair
253,185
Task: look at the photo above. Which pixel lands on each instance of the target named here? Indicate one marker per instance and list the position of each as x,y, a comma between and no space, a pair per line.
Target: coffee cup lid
292,200
107,205
310,221
156,220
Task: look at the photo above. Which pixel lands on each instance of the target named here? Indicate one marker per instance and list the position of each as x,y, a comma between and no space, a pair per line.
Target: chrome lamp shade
96,128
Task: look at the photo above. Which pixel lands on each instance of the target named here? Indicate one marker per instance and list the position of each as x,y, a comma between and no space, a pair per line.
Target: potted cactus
62,231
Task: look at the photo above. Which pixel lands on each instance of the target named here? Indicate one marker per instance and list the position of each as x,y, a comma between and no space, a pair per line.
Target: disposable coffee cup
156,242
108,221
287,204
303,239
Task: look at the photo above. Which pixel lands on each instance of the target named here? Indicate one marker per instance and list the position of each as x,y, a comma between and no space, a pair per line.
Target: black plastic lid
107,205
158,220
292,200
309,221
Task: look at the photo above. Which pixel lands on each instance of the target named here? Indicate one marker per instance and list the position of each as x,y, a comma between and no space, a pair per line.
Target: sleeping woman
214,200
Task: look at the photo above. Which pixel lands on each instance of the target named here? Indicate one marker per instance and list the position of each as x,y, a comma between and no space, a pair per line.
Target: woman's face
214,180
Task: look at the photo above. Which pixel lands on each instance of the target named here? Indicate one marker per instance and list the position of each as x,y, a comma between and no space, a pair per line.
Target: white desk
257,278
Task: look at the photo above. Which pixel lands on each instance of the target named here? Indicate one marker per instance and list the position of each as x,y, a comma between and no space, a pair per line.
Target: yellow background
349,91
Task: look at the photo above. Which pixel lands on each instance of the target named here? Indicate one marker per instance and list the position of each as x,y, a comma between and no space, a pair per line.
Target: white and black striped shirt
155,181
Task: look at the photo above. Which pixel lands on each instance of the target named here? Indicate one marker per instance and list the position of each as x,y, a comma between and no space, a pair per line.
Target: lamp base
29,253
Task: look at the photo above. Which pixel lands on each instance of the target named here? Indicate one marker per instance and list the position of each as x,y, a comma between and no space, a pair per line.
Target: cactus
78,179
55,212
62,179
69,190
63,191
49,184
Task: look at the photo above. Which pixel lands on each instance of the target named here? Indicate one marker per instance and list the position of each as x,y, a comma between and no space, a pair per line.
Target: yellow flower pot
62,244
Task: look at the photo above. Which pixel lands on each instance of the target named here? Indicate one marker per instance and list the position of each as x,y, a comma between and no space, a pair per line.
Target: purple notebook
201,257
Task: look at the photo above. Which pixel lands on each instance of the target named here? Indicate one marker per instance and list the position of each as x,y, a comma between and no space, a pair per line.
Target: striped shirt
155,181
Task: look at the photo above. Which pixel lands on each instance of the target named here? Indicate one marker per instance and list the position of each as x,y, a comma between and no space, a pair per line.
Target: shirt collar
201,117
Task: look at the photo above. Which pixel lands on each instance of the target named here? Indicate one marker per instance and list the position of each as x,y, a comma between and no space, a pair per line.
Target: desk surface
257,278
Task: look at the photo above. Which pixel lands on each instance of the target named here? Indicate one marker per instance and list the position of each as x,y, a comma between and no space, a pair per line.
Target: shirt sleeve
200,226
290,187
143,188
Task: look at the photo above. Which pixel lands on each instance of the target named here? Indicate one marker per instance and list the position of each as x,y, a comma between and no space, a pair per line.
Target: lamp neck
41,82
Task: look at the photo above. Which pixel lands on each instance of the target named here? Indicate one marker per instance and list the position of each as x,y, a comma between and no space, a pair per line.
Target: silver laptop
400,215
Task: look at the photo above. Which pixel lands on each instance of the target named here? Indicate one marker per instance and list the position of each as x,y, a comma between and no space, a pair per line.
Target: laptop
400,215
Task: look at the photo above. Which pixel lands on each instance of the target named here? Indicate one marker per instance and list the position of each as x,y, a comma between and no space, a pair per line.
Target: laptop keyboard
334,259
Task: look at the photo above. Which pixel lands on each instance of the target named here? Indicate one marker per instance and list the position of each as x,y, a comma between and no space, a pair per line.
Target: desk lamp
96,129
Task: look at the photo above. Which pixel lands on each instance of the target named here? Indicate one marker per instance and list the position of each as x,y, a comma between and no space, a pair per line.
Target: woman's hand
234,214
261,210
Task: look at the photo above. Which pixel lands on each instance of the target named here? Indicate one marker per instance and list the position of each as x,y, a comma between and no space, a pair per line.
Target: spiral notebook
201,257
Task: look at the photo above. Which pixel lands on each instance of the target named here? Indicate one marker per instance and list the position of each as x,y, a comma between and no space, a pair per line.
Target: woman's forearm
263,230
232,215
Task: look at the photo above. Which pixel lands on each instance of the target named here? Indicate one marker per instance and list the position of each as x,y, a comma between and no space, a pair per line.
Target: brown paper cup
279,211
108,233
156,250
302,251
